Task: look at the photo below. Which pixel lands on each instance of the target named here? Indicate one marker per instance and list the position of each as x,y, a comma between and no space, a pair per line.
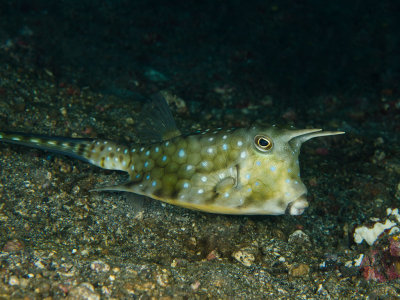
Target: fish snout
297,206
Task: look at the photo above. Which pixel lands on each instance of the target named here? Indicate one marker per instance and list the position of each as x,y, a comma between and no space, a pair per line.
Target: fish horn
291,134
300,136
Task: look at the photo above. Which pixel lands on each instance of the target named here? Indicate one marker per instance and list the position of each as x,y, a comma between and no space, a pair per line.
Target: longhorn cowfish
243,171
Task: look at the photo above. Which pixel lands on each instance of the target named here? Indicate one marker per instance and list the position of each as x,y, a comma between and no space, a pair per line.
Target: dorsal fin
155,122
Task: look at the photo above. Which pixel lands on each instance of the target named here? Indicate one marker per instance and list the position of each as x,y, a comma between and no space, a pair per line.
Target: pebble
99,266
129,121
84,291
212,255
76,189
13,280
154,75
299,238
397,193
244,257
379,141
39,264
13,245
247,255
64,167
299,270
175,100
44,287
162,278
389,291
195,285
63,112
379,155
106,291
129,288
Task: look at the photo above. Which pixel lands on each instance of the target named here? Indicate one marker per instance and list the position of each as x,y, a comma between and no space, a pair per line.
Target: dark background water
288,49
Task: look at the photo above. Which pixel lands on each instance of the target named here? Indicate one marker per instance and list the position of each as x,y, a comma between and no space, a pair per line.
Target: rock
246,255
13,280
154,75
84,291
13,245
299,270
99,266
299,238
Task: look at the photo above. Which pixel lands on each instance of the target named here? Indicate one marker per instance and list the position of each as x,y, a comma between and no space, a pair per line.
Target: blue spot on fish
164,158
273,168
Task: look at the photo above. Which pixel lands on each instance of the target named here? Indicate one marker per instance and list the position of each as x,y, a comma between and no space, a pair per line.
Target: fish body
244,171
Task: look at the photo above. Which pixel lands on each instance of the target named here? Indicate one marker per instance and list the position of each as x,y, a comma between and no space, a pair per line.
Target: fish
239,171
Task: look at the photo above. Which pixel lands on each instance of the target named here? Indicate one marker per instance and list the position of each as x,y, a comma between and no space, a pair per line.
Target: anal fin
130,186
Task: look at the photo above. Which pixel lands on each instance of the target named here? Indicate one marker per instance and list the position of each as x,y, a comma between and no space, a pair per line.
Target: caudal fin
105,154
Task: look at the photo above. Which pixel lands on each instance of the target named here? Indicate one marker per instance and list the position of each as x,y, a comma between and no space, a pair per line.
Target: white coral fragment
370,235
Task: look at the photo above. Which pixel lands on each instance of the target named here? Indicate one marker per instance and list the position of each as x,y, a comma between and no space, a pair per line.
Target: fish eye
263,143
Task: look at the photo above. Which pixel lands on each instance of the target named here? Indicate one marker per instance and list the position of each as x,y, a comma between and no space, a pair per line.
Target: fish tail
101,153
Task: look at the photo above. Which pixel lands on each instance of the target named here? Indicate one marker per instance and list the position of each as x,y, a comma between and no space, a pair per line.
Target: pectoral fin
225,185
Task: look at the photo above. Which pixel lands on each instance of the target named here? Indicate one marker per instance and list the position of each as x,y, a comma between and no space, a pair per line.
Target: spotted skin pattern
251,170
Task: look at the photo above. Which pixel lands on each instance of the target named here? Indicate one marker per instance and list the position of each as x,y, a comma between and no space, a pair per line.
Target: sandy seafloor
78,68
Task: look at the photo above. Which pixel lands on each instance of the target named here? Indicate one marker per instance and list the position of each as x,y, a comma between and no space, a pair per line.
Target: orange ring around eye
263,143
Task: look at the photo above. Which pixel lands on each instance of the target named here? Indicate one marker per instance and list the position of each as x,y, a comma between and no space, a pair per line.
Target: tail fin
104,154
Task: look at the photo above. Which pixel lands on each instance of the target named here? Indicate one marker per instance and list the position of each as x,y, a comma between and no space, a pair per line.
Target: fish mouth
297,206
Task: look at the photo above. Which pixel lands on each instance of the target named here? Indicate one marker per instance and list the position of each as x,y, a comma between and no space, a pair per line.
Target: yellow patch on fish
229,171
